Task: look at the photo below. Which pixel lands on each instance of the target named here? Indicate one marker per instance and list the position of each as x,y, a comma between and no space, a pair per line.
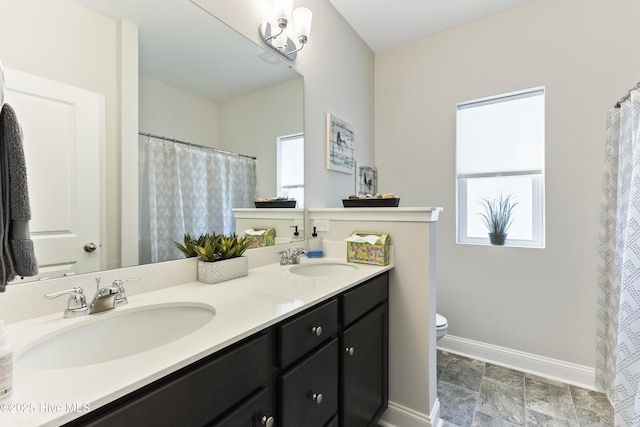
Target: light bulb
282,9
302,22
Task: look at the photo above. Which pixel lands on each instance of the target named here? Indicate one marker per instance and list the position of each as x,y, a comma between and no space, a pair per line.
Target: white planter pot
220,271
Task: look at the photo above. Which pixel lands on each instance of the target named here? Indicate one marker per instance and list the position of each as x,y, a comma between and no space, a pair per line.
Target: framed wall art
366,179
340,145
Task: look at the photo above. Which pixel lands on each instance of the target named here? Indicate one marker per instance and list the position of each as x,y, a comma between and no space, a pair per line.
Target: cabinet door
309,390
195,396
365,369
256,412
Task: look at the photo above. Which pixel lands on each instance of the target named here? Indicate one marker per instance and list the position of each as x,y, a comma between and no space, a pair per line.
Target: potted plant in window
497,216
220,256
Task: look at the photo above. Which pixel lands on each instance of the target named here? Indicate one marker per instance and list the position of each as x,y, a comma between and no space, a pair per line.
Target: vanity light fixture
274,33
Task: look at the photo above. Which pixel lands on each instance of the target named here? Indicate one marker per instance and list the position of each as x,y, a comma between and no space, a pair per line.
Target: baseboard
398,415
570,373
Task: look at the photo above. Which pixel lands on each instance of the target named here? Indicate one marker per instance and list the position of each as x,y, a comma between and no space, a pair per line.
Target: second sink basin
323,269
118,335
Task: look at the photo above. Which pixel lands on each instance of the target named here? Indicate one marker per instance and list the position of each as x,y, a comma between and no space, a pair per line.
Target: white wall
167,111
252,123
539,301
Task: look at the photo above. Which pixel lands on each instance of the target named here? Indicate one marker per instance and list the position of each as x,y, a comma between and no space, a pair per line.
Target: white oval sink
323,269
119,335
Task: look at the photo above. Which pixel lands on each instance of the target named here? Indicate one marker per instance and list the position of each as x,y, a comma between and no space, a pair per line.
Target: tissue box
366,253
268,238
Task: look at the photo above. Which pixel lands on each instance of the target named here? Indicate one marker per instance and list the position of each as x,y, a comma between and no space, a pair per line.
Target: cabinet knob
350,351
317,330
317,397
267,421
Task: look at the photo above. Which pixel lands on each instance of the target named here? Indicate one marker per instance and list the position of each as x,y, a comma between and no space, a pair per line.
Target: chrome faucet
288,256
105,298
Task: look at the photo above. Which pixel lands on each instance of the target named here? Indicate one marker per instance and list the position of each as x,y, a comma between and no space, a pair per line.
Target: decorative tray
276,204
371,203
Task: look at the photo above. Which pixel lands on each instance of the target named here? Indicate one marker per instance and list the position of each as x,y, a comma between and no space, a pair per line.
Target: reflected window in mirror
291,167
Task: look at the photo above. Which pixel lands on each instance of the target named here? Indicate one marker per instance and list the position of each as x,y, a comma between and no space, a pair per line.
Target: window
500,150
290,178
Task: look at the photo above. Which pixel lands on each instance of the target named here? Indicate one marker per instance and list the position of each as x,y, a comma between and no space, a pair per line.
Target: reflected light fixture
275,34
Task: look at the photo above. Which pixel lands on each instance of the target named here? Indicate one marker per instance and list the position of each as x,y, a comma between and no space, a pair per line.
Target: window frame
279,186
537,183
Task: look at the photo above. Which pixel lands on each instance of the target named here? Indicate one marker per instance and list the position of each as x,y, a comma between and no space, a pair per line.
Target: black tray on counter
276,204
371,203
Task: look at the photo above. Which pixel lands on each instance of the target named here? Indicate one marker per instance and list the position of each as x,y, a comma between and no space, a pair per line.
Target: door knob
90,247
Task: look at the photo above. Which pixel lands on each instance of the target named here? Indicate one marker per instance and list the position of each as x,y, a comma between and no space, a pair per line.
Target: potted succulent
497,216
221,258
188,249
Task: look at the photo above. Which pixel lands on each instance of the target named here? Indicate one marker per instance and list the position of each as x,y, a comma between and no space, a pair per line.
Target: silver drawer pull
317,397
317,330
350,351
267,421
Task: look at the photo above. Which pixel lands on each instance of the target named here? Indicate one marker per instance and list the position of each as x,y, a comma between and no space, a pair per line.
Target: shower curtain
618,333
185,189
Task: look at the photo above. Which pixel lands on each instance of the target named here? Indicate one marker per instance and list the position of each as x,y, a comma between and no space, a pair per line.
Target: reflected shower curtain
186,189
618,333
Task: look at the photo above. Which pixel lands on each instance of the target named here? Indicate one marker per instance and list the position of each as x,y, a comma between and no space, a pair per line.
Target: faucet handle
121,296
284,256
77,304
119,282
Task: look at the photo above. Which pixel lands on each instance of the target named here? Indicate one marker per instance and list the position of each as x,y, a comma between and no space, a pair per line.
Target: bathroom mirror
184,49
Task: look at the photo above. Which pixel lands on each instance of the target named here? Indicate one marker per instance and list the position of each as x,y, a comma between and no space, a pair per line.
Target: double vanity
289,346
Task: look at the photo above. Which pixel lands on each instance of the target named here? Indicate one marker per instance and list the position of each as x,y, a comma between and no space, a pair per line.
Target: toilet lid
441,321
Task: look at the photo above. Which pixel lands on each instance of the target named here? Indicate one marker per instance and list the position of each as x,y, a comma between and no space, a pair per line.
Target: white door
63,133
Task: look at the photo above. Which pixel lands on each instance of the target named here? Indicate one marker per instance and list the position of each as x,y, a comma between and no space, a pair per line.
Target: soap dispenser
314,247
296,235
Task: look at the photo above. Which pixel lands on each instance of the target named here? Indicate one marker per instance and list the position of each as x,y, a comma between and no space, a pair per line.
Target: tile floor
479,394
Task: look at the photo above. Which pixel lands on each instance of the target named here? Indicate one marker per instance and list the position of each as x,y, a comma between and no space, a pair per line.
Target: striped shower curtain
186,189
618,333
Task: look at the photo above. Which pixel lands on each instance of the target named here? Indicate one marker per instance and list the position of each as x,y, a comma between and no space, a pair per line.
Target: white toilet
441,326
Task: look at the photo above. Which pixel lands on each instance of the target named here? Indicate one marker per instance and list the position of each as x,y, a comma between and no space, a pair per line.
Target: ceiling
384,24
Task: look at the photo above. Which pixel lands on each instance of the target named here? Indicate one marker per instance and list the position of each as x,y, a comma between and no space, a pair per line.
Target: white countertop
243,307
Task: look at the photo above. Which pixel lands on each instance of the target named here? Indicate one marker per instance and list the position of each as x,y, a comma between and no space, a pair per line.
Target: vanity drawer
309,390
195,395
363,298
306,332
254,412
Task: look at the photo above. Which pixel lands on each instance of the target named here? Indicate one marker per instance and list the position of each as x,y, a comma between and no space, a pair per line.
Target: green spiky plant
220,247
188,248
497,215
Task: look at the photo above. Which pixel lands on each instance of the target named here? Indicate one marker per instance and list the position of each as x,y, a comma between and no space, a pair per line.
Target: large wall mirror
200,82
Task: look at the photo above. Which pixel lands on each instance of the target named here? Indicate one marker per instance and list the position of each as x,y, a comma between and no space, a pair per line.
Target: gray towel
18,256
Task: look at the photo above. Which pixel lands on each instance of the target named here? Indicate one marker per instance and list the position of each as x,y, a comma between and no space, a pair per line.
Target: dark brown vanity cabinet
218,390
365,353
324,367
